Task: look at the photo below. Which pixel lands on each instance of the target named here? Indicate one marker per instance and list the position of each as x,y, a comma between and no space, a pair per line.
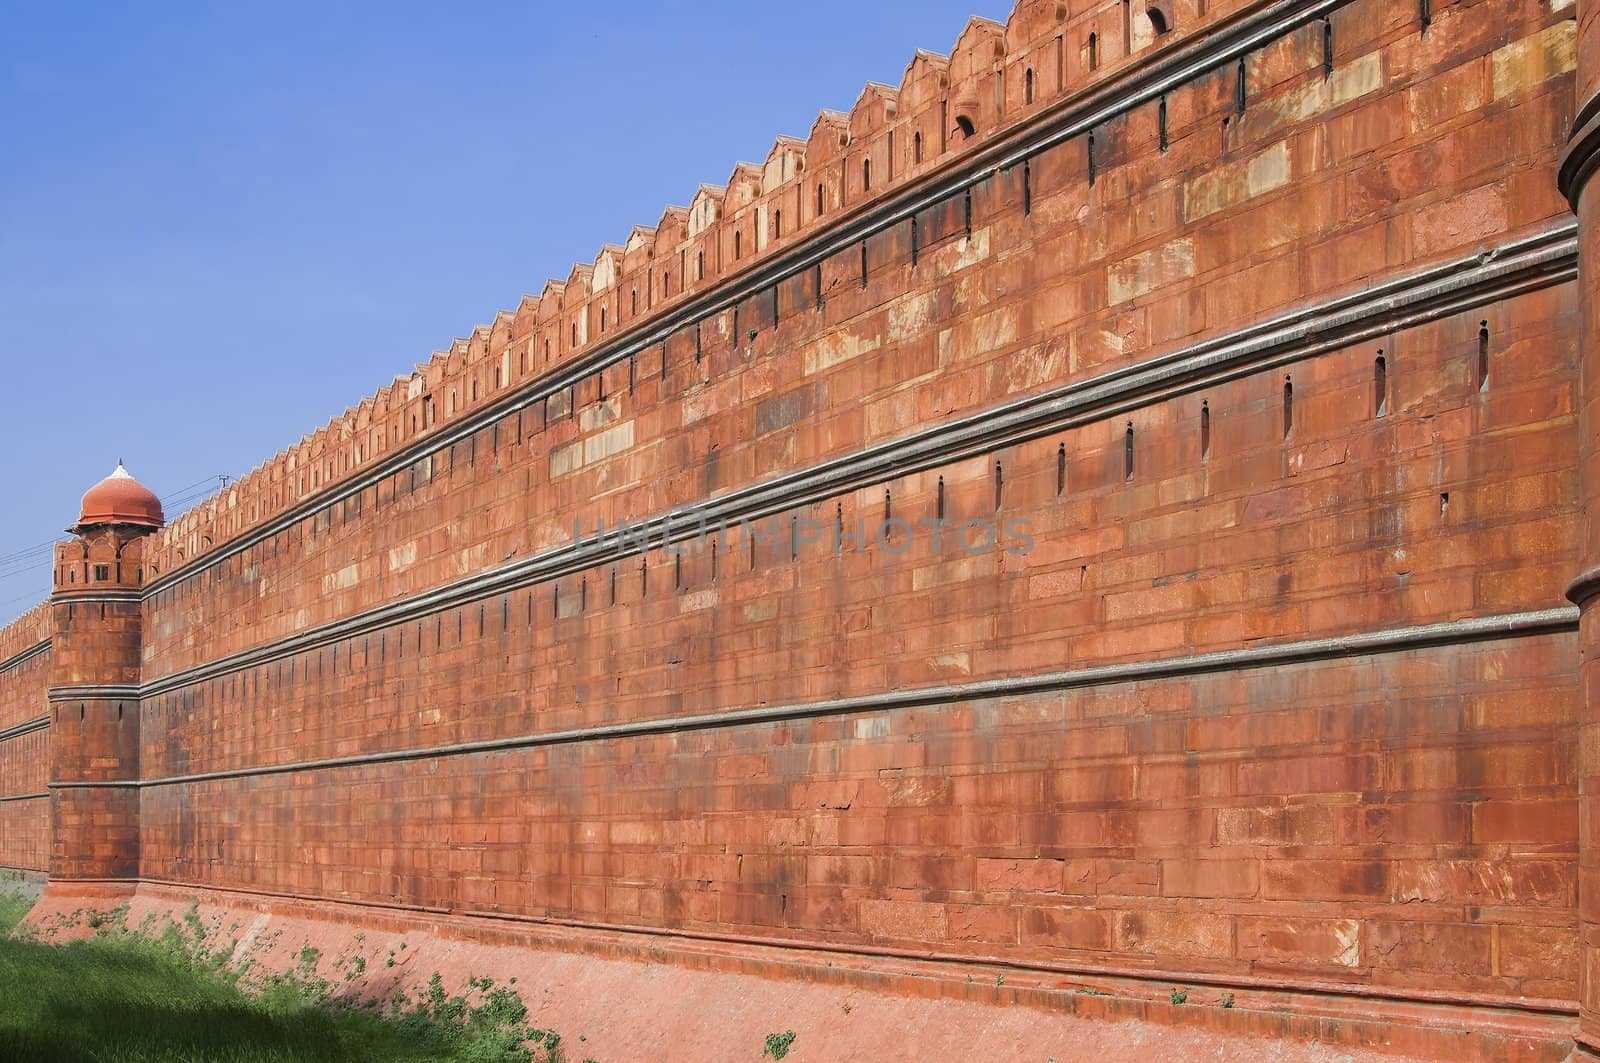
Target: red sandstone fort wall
25,741
1138,746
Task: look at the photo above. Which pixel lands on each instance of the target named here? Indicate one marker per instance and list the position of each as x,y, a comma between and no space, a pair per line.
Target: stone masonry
1104,506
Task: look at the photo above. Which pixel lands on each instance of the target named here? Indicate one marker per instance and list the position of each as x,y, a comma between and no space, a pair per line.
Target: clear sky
222,224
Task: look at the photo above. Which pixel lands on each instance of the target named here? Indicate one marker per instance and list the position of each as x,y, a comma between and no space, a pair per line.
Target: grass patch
123,997
13,906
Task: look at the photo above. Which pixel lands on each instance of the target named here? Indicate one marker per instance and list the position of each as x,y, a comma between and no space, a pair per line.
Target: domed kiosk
120,499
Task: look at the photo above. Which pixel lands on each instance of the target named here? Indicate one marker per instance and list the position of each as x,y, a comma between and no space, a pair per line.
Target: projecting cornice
25,656
1582,156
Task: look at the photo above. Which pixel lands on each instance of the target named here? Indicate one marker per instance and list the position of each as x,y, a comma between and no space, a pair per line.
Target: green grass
123,998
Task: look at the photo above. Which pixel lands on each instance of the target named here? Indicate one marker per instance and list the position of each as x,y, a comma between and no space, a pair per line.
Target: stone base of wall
636,996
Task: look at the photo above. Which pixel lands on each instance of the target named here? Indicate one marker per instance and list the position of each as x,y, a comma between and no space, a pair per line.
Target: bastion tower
94,682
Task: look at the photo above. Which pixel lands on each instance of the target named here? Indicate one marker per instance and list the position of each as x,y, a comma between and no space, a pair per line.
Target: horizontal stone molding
1582,156
38,723
16,660
1518,265
1070,117
95,692
1584,586
24,797
1393,640
96,597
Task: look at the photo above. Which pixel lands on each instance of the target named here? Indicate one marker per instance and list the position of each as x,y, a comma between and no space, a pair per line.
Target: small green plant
1227,1000
1180,996
999,980
778,1044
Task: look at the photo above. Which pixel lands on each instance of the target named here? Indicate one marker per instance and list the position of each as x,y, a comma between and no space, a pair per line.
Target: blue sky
221,224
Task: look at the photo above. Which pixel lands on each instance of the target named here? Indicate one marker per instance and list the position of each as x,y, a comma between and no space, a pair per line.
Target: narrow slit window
738,245
1094,51
1239,87
1127,27
1327,47
1027,187
916,148
1425,13
1483,356
1161,124
863,263
777,223
1027,86
1091,158
938,504
1061,63
1380,386
1061,470
1127,452
999,484
866,175
819,198
1205,431
1288,407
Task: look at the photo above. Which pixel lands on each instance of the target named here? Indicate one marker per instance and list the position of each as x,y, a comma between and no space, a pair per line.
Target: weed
1227,1000
1180,996
778,1044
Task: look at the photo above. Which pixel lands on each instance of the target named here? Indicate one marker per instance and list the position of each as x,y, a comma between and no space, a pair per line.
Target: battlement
25,632
995,77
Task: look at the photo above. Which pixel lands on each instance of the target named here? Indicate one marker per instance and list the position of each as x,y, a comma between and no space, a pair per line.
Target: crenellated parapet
25,632
995,76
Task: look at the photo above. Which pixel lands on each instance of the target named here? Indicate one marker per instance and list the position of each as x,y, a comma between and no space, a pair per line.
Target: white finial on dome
121,472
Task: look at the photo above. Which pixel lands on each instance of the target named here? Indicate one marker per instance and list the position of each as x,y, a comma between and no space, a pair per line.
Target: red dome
120,499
